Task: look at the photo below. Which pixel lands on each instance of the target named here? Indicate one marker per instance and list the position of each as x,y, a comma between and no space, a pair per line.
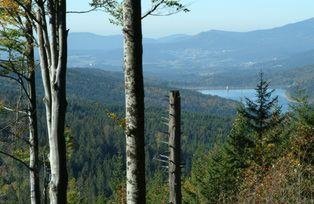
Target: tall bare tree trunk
32,115
175,196
134,101
53,59
57,154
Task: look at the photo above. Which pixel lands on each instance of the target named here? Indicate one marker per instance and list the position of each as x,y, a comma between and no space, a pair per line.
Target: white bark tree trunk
32,114
53,60
134,102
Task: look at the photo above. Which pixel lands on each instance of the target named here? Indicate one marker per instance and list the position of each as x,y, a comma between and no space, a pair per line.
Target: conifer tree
264,112
239,145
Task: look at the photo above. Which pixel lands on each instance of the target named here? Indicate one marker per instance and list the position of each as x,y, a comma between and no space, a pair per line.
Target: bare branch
165,161
13,110
163,4
9,77
154,8
163,156
80,12
16,159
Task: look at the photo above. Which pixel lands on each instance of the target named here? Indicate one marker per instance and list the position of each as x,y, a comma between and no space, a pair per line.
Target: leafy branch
158,8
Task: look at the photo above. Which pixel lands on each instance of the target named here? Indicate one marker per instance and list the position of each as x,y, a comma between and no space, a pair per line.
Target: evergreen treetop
264,112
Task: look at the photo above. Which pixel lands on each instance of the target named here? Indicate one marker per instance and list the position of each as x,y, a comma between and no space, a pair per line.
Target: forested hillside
96,146
97,143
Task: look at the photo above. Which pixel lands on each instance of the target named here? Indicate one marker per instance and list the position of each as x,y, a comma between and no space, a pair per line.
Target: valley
98,140
213,59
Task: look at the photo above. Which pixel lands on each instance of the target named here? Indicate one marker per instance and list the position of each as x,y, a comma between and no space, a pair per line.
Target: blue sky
232,15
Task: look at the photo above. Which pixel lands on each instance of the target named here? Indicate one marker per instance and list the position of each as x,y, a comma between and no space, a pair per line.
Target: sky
229,15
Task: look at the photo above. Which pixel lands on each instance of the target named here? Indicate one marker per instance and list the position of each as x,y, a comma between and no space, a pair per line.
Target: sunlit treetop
9,5
12,7
12,35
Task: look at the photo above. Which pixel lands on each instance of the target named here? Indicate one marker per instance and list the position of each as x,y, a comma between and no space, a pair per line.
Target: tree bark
43,46
57,155
53,59
174,148
33,141
134,102
32,115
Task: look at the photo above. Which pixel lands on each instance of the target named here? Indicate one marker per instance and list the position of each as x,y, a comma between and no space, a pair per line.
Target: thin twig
13,110
154,8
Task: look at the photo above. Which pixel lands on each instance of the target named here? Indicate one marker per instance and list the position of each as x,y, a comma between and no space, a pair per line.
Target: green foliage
96,142
73,194
263,113
215,177
290,174
1,106
231,171
10,40
302,108
276,168
119,121
158,8
69,140
240,144
112,7
157,189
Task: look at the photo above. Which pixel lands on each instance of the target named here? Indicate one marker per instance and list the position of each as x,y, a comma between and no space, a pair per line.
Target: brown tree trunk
174,148
134,101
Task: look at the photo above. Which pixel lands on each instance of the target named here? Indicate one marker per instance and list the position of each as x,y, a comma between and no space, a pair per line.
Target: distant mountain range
204,52
213,58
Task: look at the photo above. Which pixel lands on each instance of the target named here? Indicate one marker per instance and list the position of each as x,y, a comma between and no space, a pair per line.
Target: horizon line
199,32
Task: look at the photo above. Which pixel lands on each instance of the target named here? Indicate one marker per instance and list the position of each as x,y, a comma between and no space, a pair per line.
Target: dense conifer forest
96,138
215,141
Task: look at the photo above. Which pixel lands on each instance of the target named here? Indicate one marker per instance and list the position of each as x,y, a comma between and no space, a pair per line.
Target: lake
241,94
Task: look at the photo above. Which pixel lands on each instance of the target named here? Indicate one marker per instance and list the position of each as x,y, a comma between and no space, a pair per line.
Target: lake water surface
241,94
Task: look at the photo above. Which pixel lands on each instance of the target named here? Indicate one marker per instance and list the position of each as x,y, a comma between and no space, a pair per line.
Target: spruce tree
240,143
264,112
